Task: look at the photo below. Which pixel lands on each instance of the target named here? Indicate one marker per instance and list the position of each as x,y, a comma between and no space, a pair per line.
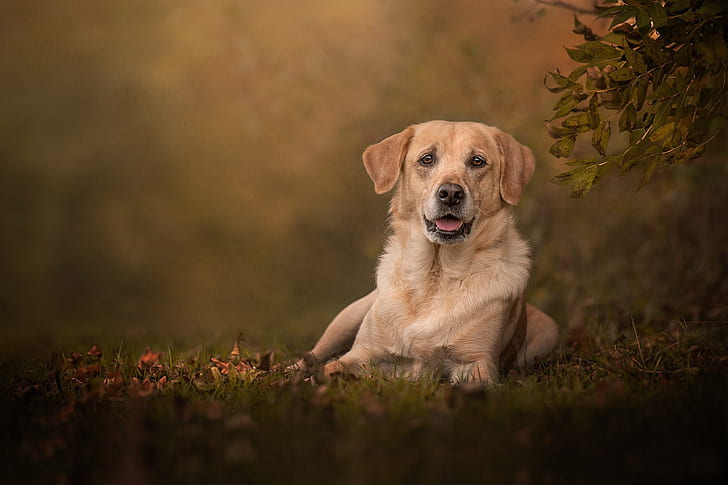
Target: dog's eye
478,161
426,159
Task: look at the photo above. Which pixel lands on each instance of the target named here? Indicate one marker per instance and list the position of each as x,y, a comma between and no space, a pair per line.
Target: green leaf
593,51
664,90
650,167
565,99
577,121
562,82
706,95
628,118
622,74
641,92
634,59
653,49
557,132
564,105
677,6
563,148
611,99
712,9
644,22
684,56
718,45
662,132
577,73
600,139
626,95
582,178
620,13
614,38
592,113
657,14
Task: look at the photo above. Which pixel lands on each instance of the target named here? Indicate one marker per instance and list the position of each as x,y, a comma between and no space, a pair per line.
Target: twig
567,6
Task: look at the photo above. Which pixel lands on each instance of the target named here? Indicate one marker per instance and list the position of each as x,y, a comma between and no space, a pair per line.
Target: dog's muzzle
446,221
448,228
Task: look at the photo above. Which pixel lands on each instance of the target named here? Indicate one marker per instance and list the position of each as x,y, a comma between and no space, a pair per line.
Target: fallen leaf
87,371
202,383
114,381
216,376
235,352
161,382
223,366
74,359
141,388
95,352
149,358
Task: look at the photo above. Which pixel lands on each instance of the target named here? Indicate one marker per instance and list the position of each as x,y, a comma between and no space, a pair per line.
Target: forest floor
647,403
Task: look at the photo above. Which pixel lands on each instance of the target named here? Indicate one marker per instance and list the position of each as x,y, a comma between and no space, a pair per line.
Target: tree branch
567,6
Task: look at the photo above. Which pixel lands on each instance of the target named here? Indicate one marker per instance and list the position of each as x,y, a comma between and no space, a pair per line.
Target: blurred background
193,168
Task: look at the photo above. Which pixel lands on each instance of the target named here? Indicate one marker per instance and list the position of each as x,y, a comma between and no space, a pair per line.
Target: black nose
450,194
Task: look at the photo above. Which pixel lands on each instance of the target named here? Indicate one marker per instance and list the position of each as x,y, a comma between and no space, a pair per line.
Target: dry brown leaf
114,381
243,367
74,359
141,388
216,376
87,371
149,358
95,352
162,382
202,382
235,352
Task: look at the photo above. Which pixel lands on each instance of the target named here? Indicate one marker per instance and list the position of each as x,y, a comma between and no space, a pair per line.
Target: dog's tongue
448,224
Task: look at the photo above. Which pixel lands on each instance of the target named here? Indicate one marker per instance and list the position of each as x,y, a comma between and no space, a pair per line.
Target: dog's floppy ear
383,160
518,167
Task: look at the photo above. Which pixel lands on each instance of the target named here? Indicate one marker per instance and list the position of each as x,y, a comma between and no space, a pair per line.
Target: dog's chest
419,327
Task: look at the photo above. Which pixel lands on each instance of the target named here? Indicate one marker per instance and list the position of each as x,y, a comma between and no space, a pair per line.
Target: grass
645,403
637,391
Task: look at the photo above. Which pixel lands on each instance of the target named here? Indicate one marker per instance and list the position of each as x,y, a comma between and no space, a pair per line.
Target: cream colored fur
446,307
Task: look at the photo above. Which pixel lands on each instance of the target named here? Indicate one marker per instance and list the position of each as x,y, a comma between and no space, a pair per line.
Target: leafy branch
661,70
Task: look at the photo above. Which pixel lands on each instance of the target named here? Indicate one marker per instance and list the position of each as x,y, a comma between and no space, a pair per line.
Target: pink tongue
448,224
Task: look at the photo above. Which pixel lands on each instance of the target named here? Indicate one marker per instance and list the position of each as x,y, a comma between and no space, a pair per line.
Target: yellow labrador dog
450,284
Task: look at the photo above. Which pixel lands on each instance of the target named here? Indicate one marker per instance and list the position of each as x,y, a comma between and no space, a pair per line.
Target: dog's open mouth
449,226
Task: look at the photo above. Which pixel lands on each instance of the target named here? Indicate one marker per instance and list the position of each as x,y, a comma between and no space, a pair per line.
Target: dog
450,284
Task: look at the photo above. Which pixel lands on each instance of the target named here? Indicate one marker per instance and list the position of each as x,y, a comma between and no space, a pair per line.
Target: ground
642,404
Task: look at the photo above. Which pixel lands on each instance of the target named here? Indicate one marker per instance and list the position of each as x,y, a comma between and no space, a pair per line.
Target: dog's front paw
481,372
334,368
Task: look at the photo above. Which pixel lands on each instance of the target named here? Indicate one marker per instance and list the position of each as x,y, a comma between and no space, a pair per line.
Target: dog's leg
541,336
340,333
483,370
356,361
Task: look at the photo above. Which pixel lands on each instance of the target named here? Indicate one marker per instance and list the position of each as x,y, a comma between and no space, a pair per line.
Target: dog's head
451,174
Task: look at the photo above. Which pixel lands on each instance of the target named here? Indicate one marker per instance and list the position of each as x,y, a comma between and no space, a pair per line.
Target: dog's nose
450,194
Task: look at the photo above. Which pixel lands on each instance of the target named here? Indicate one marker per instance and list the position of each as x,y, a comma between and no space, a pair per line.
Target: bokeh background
192,169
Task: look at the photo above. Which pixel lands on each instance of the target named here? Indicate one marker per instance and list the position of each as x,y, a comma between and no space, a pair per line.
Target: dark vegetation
641,407
173,175
662,68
